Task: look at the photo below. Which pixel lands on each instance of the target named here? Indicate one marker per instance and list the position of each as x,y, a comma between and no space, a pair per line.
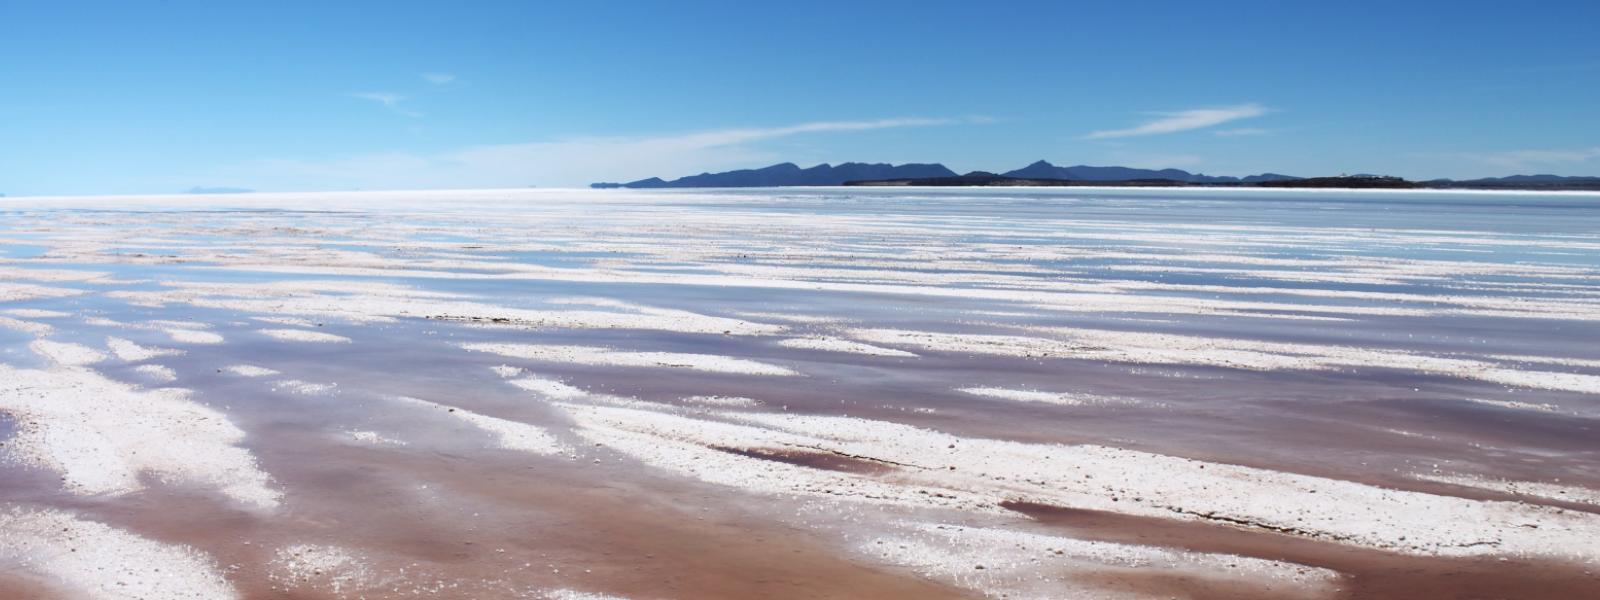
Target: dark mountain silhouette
789,174
1042,173
1045,170
1522,182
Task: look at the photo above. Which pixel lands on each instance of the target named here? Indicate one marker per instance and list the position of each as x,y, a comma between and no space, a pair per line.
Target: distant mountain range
790,174
1045,170
1042,173
1521,182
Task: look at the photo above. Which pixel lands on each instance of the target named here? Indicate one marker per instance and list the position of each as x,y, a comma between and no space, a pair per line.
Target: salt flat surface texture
912,393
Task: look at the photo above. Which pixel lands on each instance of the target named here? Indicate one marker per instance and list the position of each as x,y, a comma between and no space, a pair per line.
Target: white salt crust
290,321
305,388
1169,349
93,560
593,355
1515,404
549,388
1061,398
36,313
192,336
102,435
568,594
373,438
506,371
830,344
510,435
28,327
722,401
66,354
1532,489
157,373
337,570
129,351
366,304
1002,563
18,292
249,371
301,335
932,469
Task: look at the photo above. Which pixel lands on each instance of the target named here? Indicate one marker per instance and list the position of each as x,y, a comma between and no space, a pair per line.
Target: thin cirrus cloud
438,78
388,100
1184,120
1241,132
562,162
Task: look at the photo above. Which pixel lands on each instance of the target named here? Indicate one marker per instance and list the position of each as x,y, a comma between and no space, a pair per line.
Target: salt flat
802,393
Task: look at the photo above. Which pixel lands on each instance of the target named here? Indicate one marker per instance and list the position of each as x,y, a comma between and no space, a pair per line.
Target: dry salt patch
722,401
36,313
510,435
171,324
550,388
290,321
129,351
1550,360
193,336
828,344
568,594
51,275
157,373
249,371
28,327
373,438
305,388
358,302
891,463
18,292
100,562
793,318
1515,404
1001,563
324,567
506,371
1061,398
1170,349
102,435
592,355
66,354
301,335
1532,489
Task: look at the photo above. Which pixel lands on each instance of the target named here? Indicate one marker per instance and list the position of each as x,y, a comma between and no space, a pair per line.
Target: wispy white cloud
438,78
1185,120
564,162
1242,132
1522,159
390,101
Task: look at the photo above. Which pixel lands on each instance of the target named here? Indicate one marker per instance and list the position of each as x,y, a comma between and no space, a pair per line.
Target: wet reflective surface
811,393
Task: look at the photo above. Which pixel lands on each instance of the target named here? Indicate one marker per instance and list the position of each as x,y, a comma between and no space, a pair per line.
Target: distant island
790,174
1044,174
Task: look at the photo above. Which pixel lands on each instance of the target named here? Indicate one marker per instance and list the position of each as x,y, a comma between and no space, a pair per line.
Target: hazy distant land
1045,174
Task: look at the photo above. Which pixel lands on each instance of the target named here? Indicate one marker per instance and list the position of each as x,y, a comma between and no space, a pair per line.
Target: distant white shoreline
501,193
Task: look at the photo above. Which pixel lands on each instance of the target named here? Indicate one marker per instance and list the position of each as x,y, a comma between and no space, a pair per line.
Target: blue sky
160,97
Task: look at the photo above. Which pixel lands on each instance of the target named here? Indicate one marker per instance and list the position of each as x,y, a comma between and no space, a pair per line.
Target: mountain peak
790,174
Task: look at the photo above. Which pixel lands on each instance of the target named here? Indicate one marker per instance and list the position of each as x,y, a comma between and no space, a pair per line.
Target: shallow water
1436,343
